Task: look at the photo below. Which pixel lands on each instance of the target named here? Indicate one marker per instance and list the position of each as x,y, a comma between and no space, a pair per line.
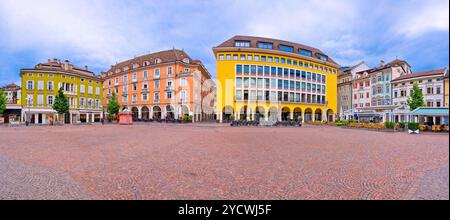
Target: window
277,60
168,95
264,45
221,57
157,74
228,57
250,57
134,77
156,97
81,88
156,84
40,99
50,100
242,57
238,94
283,60
134,87
182,81
134,97
238,82
438,103
242,44
438,91
305,52
50,85
40,85
256,58
322,57
183,95
238,69
82,102
286,48
263,58
89,89
269,59
97,103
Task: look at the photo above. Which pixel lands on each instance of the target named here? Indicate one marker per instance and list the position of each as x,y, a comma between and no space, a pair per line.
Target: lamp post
27,122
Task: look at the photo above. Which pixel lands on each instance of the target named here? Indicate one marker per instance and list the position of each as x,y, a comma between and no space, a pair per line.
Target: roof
276,45
10,86
431,111
165,56
393,63
347,69
421,74
57,66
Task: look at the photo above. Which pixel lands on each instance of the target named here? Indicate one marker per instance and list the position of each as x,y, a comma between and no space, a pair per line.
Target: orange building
163,85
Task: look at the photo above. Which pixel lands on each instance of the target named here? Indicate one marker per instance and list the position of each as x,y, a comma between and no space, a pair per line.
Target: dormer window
322,57
157,61
286,48
186,60
242,43
305,52
146,63
264,45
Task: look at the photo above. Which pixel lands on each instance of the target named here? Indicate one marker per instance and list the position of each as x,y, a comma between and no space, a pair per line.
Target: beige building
345,77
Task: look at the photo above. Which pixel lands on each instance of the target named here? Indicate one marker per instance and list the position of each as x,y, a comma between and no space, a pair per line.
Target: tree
2,102
61,104
415,99
113,105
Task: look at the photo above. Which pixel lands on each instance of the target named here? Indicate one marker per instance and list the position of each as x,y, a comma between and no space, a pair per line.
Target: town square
209,161
224,100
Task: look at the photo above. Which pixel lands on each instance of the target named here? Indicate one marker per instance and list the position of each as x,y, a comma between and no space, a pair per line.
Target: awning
369,114
423,111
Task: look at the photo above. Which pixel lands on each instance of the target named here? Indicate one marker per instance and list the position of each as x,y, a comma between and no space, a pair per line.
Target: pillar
93,117
303,116
292,115
140,113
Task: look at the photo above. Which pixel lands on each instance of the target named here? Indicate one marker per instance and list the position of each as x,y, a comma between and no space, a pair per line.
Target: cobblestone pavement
208,162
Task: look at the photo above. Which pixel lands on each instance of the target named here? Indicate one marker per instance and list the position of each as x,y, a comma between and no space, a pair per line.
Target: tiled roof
276,45
164,56
420,74
66,66
393,63
10,86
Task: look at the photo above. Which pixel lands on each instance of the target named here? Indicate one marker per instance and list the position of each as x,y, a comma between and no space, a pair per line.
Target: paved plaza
158,161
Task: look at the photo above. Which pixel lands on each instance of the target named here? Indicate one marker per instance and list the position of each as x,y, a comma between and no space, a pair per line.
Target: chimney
49,60
381,63
86,68
66,65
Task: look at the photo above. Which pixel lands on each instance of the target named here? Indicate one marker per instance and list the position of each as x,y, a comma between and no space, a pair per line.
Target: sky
99,33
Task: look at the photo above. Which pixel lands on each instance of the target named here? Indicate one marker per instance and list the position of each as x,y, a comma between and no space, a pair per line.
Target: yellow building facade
272,80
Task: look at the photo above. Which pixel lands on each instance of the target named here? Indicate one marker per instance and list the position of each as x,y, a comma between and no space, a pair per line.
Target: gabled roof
421,74
165,56
276,45
10,86
346,70
393,63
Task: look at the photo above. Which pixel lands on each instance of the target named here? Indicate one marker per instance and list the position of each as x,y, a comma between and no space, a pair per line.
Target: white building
430,82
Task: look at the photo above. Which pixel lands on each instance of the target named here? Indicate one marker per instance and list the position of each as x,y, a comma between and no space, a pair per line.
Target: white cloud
422,17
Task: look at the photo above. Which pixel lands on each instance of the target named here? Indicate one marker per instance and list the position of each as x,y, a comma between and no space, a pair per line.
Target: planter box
413,132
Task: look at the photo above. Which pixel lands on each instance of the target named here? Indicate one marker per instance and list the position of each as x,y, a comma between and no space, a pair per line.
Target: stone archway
318,115
184,110
227,112
145,113
170,112
135,113
308,115
244,112
260,113
285,114
273,114
330,115
156,112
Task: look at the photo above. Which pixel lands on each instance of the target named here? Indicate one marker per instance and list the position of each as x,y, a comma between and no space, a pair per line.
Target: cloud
423,17
101,32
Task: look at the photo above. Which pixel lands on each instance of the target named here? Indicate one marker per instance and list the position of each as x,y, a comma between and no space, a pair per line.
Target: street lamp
27,122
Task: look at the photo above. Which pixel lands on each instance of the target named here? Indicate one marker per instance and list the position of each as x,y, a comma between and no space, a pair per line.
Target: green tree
61,104
2,101
415,99
113,105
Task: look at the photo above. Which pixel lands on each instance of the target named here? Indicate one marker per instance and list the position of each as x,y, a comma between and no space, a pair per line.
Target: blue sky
99,33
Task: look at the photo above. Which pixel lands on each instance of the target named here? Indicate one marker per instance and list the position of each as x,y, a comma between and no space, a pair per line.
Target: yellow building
40,86
273,80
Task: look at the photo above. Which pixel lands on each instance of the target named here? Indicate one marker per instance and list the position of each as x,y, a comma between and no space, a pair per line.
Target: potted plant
413,128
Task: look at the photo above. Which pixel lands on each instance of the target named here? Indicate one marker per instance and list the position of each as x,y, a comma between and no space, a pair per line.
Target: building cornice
272,52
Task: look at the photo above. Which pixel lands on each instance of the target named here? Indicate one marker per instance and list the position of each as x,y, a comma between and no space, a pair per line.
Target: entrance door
67,118
39,118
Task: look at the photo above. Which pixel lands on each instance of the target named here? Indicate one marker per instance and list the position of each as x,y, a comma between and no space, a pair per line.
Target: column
70,118
93,117
313,114
220,117
139,113
303,116
292,115
36,118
